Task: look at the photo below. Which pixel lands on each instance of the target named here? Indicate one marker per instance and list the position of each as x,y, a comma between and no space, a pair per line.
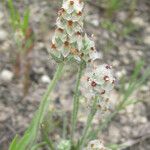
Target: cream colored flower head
98,81
64,145
69,39
96,145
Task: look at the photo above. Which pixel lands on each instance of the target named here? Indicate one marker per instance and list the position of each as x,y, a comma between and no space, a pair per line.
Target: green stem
89,123
31,135
47,139
46,100
76,101
106,122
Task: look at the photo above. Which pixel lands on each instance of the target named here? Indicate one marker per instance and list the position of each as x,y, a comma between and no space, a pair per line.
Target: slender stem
31,134
88,124
46,100
76,101
106,121
46,138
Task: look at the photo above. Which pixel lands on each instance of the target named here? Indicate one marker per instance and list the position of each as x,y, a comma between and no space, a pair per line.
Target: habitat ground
122,37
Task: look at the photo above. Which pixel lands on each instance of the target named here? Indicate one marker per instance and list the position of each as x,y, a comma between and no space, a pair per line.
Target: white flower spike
69,39
98,81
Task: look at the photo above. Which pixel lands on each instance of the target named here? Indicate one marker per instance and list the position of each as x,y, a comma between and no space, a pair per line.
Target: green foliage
109,25
25,22
29,139
76,100
15,18
134,83
88,124
31,135
13,144
113,6
128,29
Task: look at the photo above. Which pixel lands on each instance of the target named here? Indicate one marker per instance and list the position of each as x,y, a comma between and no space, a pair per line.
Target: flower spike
98,81
69,39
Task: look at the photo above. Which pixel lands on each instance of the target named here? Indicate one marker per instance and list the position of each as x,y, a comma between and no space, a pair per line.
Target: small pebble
3,35
95,22
147,40
45,79
139,21
6,75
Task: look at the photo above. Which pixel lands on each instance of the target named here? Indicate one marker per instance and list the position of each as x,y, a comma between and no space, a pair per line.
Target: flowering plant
71,43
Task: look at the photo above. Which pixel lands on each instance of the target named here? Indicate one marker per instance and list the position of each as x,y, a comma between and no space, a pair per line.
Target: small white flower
76,16
60,33
95,55
64,145
78,5
60,23
96,145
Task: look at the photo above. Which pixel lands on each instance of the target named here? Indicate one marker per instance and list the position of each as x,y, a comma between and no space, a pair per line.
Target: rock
5,45
5,112
1,15
147,40
121,73
125,60
6,75
1,18
147,29
93,19
95,22
45,79
3,35
122,15
115,63
144,88
139,21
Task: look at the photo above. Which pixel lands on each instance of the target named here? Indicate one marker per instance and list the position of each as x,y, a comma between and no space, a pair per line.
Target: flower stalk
89,123
45,100
76,100
31,134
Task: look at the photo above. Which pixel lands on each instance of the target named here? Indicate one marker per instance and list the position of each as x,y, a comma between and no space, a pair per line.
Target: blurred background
121,30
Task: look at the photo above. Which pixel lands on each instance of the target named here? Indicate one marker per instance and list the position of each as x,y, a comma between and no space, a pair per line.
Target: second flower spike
98,81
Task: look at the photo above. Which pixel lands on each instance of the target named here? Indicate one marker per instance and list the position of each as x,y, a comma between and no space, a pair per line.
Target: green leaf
58,60
15,18
31,135
25,23
130,102
14,143
133,81
12,12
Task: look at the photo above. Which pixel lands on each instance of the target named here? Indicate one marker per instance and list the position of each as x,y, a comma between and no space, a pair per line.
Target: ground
121,40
